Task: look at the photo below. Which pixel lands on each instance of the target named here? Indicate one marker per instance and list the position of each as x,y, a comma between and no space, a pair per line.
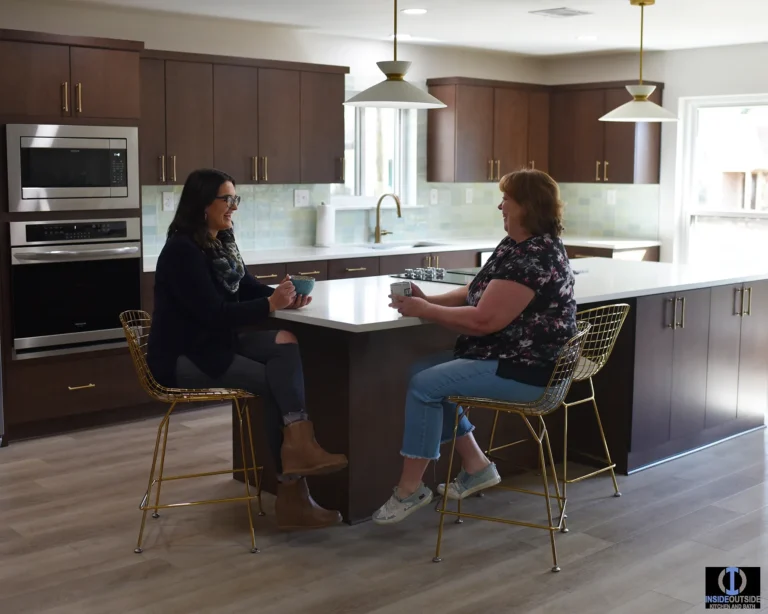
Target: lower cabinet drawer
268,273
70,385
317,269
353,267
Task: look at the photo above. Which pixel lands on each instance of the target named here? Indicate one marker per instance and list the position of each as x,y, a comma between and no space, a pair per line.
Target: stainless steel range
70,280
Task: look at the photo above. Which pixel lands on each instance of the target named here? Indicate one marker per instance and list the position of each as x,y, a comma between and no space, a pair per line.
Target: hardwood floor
69,519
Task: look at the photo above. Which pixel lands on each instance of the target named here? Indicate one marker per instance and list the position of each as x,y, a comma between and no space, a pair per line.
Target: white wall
715,71
244,39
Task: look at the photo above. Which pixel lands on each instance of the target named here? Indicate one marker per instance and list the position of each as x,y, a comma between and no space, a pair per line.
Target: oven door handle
59,255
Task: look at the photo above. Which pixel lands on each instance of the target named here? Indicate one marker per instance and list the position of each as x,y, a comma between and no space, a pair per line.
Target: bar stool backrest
136,325
605,326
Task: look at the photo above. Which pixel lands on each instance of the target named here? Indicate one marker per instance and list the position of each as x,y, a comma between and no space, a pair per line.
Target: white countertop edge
310,253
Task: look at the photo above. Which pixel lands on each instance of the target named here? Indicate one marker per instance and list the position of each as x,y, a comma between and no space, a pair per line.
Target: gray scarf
226,261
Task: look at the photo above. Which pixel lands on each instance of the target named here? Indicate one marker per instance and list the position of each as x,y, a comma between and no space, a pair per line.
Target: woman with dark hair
513,319
204,295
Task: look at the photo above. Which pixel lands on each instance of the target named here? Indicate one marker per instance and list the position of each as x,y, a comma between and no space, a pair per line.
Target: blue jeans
429,417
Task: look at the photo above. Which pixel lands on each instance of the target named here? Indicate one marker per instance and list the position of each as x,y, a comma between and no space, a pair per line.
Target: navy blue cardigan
194,315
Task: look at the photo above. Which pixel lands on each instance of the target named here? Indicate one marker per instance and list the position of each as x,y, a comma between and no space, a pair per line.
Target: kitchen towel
326,226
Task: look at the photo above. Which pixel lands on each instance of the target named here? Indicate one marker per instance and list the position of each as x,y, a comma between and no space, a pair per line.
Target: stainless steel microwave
66,168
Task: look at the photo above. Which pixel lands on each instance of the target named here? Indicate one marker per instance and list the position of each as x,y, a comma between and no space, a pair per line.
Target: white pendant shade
640,109
395,92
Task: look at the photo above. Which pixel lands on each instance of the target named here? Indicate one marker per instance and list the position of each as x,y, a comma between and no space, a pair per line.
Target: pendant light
395,92
640,109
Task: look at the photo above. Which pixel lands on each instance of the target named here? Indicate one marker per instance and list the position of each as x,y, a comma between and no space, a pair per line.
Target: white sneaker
397,509
467,484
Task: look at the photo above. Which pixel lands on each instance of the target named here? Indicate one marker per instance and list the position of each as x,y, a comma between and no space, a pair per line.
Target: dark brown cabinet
188,118
322,127
753,353
392,265
488,129
268,273
152,160
236,121
317,269
68,81
36,81
647,254
105,83
585,150
348,268
279,127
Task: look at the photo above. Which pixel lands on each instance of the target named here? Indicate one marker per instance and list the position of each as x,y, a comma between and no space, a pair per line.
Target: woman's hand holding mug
284,295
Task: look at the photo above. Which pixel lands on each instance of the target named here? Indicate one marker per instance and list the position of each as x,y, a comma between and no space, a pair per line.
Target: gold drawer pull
65,96
79,94
173,162
748,312
581,256
266,176
309,273
162,168
739,301
272,276
82,387
597,171
362,268
254,168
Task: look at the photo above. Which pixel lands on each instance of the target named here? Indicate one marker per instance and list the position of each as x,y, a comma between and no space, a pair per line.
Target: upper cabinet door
35,80
152,155
279,125
632,150
538,130
576,136
188,117
322,127
236,121
510,131
474,133
105,83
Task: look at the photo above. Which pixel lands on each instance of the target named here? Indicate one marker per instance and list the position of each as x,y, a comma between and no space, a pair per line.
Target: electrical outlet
301,198
610,196
169,204
468,196
433,196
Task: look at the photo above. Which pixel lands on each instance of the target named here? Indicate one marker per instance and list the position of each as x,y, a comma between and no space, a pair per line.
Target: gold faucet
378,232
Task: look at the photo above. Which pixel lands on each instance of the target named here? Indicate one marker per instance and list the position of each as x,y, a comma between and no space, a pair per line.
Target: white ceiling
503,25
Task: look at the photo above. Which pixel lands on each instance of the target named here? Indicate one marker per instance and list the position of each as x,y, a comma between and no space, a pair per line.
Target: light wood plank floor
69,518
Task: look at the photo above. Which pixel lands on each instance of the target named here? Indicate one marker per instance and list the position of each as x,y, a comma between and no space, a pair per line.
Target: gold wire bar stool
136,325
530,411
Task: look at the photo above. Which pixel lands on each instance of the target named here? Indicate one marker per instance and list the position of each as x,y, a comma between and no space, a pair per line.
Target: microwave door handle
69,254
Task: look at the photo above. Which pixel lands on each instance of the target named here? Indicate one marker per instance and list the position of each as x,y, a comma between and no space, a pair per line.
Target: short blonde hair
539,196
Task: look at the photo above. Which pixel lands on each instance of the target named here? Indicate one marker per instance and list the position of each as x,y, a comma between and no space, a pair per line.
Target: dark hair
539,196
200,190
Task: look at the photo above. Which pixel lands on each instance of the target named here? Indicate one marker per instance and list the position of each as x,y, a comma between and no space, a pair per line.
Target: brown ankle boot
302,455
296,509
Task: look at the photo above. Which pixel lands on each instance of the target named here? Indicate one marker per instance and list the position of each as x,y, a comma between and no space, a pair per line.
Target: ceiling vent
560,12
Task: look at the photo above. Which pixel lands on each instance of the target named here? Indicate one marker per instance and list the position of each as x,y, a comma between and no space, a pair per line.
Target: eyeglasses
232,201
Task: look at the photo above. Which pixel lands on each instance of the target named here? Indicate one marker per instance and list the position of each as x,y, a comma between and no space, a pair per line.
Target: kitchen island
689,369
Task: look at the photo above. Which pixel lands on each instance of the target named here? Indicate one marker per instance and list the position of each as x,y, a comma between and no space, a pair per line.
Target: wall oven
70,280
66,168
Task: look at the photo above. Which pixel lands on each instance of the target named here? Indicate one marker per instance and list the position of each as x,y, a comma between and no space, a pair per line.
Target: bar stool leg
247,409
555,566
145,500
561,501
616,492
239,409
564,529
162,467
437,558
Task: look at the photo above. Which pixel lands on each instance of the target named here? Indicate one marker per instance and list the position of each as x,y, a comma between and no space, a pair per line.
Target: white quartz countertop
397,248
361,305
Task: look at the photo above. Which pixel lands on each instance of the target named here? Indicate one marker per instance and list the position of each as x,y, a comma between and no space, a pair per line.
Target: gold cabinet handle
597,171
605,171
173,169
162,168
65,96
429,261
82,387
490,170
498,170
581,256
357,270
738,302
673,326
437,261
272,276
79,96
266,178
343,169
748,312
254,168
309,273
533,164
682,312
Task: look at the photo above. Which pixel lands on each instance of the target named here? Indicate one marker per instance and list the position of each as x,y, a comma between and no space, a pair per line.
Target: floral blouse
529,345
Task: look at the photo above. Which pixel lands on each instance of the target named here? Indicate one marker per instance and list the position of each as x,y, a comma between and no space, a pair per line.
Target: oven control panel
55,232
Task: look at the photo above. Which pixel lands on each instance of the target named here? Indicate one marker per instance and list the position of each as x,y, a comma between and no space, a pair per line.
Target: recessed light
413,11
588,37
400,37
